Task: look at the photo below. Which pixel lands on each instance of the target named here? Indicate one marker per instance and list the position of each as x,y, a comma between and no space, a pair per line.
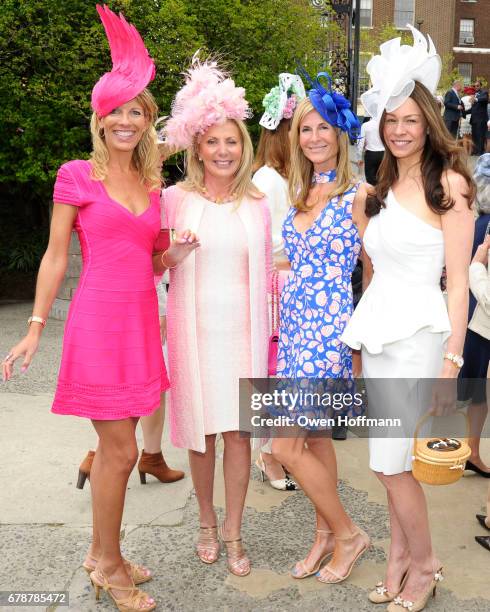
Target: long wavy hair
302,169
145,156
241,185
274,150
440,153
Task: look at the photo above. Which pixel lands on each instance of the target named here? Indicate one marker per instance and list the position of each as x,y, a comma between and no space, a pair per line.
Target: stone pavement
45,520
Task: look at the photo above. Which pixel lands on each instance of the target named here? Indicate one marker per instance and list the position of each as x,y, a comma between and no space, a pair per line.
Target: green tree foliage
52,53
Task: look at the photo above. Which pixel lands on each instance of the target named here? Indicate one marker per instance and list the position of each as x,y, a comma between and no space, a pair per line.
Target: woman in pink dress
217,305
112,368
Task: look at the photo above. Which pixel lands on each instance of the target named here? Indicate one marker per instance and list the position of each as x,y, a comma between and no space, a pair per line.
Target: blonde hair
302,169
145,155
242,183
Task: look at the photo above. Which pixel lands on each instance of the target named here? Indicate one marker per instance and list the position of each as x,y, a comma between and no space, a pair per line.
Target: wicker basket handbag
439,461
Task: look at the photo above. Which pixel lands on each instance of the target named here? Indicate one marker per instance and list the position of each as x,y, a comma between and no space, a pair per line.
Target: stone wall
59,310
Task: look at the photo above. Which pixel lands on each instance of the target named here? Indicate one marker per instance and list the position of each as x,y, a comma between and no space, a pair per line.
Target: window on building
466,31
465,71
366,16
404,10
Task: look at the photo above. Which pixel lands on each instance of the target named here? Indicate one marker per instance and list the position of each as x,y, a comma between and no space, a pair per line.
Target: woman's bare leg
323,543
308,471
152,427
202,471
116,456
236,468
407,499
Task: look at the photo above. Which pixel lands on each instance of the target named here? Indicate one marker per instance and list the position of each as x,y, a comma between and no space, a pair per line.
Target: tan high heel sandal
131,603
338,577
237,561
138,573
380,593
302,564
399,603
208,543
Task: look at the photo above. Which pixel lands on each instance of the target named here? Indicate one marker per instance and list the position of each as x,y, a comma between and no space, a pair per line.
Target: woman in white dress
420,219
217,302
271,167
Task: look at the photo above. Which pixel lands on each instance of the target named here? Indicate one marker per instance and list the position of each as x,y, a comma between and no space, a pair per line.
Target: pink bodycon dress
112,364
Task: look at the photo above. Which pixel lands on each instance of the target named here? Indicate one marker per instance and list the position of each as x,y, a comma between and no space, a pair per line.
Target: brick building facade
460,27
471,41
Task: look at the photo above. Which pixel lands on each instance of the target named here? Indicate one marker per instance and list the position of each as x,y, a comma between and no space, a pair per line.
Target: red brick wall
480,12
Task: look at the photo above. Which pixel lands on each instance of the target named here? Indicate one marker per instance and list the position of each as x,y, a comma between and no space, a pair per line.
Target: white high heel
282,484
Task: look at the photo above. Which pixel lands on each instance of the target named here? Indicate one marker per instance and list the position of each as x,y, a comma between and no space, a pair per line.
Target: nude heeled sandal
302,564
380,593
208,544
237,560
138,573
131,603
399,604
338,577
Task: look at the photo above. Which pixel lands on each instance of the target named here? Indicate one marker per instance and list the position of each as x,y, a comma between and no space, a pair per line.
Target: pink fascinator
132,66
209,97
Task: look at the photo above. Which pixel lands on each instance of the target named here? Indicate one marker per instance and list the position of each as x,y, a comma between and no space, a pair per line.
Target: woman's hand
481,254
185,243
445,390
26,348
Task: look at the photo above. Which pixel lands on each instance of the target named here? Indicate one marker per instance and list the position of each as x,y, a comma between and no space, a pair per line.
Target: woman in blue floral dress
322,243
316,302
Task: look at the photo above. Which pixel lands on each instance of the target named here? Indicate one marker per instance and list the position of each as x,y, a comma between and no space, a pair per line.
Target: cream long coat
182,210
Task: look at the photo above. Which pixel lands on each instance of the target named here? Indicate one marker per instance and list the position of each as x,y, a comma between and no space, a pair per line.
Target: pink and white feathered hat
132,66
209,97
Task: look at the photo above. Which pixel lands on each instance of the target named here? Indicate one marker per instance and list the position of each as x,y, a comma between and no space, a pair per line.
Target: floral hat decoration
132,66
393,73
331,105
281,100
209,97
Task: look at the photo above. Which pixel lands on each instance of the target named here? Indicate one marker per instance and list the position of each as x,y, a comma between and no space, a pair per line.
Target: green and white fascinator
282,99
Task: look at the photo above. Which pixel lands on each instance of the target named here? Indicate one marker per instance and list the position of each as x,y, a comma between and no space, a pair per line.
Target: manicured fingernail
23,369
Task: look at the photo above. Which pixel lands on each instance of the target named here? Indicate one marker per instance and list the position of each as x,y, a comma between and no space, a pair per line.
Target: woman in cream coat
217,316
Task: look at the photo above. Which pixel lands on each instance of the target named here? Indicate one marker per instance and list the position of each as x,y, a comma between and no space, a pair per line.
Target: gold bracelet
163,263
35,319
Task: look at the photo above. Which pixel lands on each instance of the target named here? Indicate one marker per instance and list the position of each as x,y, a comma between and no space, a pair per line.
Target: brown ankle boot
154,464
84,469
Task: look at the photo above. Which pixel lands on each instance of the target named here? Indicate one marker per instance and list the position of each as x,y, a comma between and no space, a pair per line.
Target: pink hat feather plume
132,66
209,97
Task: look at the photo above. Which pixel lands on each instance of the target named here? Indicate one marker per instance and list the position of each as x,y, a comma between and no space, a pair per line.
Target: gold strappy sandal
237,560
132,603
208,544
301,565
338,577
138,573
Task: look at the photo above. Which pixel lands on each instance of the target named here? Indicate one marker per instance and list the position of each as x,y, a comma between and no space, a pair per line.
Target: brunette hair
242,183
440,153
302,169
145,155
273,149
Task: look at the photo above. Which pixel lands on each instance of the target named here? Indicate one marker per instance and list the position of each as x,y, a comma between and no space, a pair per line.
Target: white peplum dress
401,324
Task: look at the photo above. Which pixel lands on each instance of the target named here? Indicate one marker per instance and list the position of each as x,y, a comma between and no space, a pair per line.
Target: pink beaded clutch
274,337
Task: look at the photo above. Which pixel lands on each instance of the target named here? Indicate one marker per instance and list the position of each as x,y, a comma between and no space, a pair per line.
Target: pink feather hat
209,97
132,66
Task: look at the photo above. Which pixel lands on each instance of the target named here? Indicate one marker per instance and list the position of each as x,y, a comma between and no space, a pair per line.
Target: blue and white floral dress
316,302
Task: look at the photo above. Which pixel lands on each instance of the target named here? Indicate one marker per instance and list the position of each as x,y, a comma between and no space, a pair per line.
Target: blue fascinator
332,106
